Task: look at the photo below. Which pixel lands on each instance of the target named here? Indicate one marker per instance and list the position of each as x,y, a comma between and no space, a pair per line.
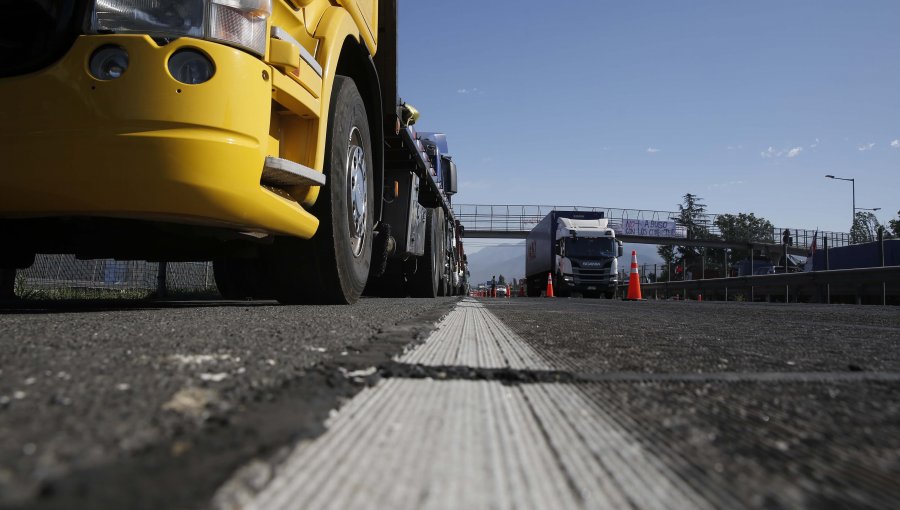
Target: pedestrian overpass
515,221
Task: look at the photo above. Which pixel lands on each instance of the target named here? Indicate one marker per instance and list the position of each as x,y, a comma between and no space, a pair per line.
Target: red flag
812,253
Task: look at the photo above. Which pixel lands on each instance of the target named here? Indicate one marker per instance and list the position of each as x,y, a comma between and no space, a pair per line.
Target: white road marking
442,444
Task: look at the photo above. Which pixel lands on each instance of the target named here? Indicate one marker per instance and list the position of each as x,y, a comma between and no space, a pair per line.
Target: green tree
865,228
744,227
692,216
894,225
501,280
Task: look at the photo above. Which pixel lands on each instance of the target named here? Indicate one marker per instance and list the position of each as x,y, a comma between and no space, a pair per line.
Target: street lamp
866,209
853,183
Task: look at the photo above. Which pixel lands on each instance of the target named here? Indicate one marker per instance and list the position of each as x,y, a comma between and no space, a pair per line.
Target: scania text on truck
266,135
578,249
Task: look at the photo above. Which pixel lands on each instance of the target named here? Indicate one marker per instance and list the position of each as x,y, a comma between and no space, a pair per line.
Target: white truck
578,249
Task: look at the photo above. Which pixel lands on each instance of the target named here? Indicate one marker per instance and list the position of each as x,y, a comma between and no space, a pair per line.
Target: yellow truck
265,135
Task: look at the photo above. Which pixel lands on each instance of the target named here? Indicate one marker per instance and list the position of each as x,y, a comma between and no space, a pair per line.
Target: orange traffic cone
550,285
634,281
508,291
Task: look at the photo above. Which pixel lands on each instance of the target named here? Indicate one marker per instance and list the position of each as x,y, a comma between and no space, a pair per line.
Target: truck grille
36,33
592,275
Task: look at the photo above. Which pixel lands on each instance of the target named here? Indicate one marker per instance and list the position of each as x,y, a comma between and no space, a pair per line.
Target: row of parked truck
266,135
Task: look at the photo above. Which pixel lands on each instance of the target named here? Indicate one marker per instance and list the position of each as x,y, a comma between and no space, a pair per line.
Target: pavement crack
504,375
507,375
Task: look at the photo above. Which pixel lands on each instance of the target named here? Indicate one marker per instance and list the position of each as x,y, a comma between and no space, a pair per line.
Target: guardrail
870,285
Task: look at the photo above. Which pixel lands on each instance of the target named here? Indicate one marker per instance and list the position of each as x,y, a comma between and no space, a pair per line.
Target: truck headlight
190,66
109,63
241,23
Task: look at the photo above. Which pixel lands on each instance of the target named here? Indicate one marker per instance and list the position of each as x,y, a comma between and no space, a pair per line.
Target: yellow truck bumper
143,146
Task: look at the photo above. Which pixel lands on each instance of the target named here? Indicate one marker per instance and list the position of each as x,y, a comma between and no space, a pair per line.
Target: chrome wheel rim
357,192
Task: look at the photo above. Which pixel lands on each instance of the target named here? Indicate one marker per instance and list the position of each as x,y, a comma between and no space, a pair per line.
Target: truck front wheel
333,266
560,288
240,278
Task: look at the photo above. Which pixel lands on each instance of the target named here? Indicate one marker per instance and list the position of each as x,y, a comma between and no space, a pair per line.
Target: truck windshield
584,247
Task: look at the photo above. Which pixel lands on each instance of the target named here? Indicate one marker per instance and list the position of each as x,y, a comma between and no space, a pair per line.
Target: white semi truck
578,249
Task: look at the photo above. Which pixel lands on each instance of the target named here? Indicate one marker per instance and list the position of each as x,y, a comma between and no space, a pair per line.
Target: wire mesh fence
64,276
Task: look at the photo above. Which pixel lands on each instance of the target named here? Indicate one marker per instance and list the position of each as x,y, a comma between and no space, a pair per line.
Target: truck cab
265,135
577,249
586,256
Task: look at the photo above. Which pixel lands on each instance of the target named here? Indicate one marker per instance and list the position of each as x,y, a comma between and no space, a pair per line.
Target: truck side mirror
621,250
449,176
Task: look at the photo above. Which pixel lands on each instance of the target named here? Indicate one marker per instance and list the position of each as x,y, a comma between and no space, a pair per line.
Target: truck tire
7,284
446,262
531,288
332,267
444,282
560,289
426,280
240,278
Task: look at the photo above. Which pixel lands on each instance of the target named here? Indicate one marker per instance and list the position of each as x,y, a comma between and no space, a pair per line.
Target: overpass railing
522,218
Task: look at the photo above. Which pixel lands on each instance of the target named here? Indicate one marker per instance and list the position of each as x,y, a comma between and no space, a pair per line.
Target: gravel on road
784,406
117,404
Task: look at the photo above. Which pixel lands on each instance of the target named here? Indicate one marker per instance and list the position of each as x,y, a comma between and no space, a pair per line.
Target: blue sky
633,103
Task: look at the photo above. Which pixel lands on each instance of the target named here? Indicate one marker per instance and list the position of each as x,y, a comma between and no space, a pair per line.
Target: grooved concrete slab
472,336
468,444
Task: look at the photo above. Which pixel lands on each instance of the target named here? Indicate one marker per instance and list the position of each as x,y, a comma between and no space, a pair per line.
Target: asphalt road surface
517,403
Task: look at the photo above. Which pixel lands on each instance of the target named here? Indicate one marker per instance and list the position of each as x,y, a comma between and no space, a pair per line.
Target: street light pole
853,184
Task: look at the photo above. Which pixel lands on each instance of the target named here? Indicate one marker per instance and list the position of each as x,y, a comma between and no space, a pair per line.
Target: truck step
282,173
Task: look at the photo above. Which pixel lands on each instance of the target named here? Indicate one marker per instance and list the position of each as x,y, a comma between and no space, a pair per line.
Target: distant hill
509,260
646,254
506,259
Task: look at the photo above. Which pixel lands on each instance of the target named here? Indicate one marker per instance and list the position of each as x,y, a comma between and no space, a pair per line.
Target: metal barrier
518,220
870,284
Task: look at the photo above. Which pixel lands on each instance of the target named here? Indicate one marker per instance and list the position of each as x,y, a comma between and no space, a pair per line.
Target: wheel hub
357,192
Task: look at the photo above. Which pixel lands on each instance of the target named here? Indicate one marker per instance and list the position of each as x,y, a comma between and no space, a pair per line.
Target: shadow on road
41,306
